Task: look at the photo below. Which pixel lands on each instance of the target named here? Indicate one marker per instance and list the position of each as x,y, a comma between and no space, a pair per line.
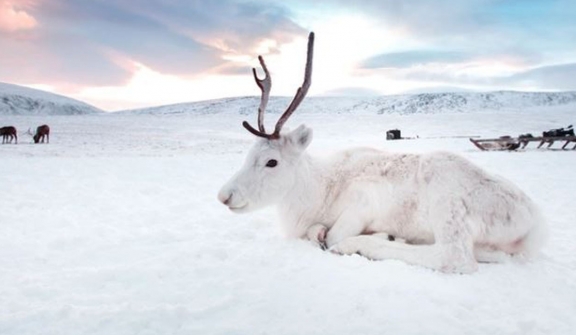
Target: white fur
451,213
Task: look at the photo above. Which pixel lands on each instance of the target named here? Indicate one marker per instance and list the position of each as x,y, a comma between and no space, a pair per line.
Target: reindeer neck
299,206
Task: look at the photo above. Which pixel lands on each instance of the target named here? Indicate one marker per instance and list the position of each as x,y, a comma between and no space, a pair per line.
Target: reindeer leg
434,256
317,234
453,250
486,255
377,248
349,224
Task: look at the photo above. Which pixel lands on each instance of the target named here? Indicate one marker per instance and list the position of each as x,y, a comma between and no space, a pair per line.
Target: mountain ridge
426,103
20,100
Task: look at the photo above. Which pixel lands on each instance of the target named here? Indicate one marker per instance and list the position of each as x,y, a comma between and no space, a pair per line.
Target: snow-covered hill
467,102
248,105
426,103
18,100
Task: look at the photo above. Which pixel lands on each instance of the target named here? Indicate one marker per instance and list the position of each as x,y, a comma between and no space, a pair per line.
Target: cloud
412,58
179,36
483,76
525,29
386,45
13,18
43,59
230,26
462,18
352,92
81,42
423,17
555,77
233,69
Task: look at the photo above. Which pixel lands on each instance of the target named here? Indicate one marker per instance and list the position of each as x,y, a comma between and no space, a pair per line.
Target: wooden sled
515,143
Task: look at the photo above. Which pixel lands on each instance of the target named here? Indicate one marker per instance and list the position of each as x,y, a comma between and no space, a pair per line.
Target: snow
114,228
19,100
425,103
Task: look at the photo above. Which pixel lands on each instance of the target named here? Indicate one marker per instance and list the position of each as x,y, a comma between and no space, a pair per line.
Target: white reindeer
451,213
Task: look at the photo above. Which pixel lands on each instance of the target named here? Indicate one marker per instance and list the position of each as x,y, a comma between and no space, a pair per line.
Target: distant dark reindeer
8,134
41,132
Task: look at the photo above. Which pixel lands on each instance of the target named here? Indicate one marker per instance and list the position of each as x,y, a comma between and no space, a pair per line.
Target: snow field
114,228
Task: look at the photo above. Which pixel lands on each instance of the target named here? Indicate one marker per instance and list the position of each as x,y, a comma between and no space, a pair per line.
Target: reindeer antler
266,84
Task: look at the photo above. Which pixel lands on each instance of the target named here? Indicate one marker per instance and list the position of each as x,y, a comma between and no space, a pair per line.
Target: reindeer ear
300,137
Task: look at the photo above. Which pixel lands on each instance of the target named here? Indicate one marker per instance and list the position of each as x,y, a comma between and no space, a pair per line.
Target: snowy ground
114,228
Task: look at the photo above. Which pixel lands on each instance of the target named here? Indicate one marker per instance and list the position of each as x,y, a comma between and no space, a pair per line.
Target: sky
121,54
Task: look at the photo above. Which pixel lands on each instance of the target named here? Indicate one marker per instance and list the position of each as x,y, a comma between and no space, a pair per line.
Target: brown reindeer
41,132
8,134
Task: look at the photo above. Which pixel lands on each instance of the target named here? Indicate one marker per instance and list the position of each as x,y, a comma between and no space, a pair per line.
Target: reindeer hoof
317,234
321,238
346,247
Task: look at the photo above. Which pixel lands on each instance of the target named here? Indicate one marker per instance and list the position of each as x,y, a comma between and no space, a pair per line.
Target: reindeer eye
272,163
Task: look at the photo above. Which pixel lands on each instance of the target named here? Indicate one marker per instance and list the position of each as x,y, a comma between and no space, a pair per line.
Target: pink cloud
13,18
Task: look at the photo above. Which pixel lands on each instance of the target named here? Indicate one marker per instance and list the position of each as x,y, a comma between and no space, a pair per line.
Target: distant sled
561,135
516,143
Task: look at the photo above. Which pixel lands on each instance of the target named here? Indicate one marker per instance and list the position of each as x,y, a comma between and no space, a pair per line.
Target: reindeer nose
225,198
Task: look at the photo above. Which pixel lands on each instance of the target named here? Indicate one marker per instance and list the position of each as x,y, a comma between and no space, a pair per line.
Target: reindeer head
270,168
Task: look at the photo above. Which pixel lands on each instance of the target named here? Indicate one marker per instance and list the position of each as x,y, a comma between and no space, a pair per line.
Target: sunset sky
119,54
